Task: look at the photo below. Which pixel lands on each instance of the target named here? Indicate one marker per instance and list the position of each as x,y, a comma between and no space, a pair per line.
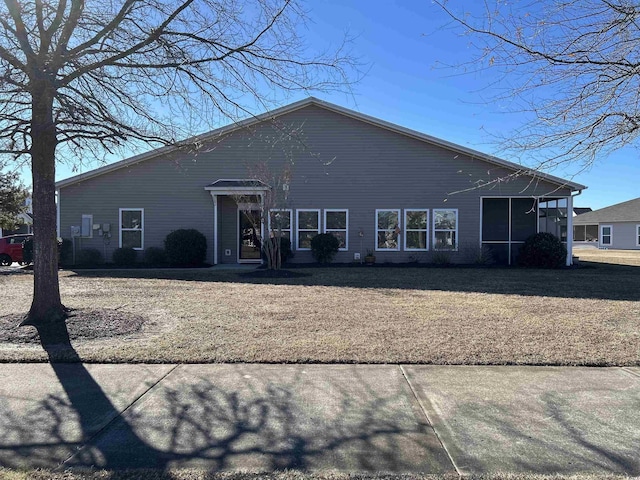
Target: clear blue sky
402,43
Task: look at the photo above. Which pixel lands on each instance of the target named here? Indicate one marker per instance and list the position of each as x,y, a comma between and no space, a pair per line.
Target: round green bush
286,251
543,250
155,256
324,247
66,252
124,256
89,256
186,247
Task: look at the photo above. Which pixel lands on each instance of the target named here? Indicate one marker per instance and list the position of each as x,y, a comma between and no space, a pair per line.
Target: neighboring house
374,185
617,226
25,220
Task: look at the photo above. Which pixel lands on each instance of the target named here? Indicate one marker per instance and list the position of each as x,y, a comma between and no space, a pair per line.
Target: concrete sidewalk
353,418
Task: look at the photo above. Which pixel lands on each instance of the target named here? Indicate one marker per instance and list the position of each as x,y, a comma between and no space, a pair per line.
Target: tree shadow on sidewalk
203,421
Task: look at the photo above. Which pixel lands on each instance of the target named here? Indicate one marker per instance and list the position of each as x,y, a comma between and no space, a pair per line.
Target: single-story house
315,167
616,226
25,226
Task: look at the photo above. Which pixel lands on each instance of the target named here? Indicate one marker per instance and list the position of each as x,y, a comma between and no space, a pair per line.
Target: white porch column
215,228
569,230
57,214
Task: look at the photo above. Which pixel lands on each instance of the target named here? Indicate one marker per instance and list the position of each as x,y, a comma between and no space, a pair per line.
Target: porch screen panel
499,252
523,218
591,233
579,233
495,220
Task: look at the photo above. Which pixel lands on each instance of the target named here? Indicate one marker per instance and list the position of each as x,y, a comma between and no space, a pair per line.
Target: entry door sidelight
249,234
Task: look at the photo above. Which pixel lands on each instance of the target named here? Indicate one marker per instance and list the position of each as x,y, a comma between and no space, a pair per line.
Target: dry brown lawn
584,316
615,257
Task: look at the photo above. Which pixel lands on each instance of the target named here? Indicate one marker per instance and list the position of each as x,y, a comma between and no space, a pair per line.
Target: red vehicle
11,249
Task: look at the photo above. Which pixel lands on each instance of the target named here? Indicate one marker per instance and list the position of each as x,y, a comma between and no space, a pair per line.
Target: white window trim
433,228
637,235
601,243
298,230
290,229
426,230
90,216
120,229
376,229
345,230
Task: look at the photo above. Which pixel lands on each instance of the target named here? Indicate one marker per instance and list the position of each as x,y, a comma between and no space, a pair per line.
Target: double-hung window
280,223
637,235
336,222
387,230
416,236
606,235
132,228
445,229
307,227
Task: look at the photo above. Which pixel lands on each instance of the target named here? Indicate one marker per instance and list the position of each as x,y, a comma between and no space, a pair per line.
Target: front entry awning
237,187
234,187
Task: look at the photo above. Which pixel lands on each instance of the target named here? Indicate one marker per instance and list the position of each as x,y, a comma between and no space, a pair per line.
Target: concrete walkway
355,418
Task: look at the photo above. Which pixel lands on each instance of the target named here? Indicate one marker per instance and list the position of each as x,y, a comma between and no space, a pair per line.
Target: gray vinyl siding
338,162
624,235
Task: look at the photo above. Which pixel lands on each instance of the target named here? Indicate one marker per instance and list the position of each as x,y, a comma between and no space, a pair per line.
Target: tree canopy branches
151,71
572,68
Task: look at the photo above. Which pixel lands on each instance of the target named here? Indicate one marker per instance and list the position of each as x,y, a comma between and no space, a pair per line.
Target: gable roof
334,108
628,211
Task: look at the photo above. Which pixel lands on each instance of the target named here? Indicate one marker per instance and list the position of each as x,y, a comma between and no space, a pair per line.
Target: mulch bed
82,324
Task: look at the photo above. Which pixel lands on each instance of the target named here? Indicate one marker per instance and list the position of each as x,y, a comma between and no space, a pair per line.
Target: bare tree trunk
46,306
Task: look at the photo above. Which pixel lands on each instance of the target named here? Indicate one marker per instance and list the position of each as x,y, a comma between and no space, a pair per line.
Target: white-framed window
86,227
307,227
606,235
132,228
336,222
416,235
445,229
387,229
280,222
637,235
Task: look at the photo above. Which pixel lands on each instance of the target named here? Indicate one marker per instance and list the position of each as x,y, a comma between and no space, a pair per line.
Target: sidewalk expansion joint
115,418
431,424
632,372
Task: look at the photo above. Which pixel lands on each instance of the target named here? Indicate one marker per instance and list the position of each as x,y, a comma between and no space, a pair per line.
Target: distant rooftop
628,211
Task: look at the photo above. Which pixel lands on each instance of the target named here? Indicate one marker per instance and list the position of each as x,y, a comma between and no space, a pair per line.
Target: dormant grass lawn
583,316
614,257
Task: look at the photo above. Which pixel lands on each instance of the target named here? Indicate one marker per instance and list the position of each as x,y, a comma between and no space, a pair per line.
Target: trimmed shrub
66,252
186,247
324,247
124,256
286,252
543,250
89,256
27,251
441,258
155,256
